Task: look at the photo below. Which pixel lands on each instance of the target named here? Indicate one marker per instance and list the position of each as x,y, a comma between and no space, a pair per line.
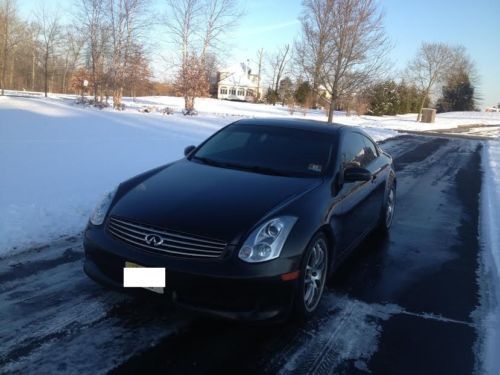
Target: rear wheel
312,277
388,209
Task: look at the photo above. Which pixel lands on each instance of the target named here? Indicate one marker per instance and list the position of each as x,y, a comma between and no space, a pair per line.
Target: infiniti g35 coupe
249,224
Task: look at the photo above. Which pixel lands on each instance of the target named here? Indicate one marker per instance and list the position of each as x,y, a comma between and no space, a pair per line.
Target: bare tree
182,25
125,22
137,71
196,27
348,48
461,63
356,50
9,32
311,48
73,44
49,33
91,18
33,35
221,16
430,66
278,63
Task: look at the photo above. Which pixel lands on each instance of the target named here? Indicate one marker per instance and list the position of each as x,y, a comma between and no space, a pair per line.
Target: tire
388,209
313,274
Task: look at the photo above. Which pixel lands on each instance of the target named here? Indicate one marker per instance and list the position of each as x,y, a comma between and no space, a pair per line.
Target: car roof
303,124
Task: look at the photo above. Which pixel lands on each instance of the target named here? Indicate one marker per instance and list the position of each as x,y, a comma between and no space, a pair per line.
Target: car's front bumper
207,287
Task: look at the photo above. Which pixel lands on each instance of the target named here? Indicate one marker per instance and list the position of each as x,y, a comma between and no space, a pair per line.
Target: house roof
237,76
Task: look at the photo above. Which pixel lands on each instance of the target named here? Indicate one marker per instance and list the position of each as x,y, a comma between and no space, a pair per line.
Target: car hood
208,201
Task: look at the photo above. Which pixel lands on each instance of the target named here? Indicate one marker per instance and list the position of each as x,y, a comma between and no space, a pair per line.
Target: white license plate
133,279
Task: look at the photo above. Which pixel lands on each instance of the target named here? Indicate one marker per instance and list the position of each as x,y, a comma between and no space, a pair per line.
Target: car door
378,168
355,217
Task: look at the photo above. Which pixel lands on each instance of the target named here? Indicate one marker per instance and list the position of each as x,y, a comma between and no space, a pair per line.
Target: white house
237,83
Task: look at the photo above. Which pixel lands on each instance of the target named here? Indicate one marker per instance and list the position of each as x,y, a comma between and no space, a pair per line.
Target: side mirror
188,150
357,174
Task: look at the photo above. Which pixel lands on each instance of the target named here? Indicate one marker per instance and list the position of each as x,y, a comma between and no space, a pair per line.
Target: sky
269,24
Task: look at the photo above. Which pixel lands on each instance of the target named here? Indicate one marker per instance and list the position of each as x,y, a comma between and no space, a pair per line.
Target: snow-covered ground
58,158
489,277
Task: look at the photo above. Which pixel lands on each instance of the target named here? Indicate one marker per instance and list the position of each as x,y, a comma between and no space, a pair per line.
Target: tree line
338,61
101,51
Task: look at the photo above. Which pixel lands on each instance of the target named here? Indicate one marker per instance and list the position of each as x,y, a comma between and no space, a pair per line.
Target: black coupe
251,222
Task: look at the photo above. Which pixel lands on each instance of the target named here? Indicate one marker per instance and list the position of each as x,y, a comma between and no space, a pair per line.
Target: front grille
173,243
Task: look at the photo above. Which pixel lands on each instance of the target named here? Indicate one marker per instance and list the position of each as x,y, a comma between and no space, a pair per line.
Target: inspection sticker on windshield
315,167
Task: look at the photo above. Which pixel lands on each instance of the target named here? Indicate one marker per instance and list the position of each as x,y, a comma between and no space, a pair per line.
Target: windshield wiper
210,161
260,169
250,168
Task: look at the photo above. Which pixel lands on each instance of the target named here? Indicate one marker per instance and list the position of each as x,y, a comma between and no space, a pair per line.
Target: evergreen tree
303,93
410,98
384,98
285,90
390,98
457,94
271,96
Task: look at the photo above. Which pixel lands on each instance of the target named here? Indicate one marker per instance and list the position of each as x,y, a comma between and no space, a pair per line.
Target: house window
249,92
241,92
232,91
223,90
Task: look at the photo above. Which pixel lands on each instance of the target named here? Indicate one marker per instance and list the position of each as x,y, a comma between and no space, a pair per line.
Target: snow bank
57,159
488,314
399,122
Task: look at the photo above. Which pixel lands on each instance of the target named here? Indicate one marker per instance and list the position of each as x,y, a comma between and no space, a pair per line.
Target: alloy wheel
391,205
315,274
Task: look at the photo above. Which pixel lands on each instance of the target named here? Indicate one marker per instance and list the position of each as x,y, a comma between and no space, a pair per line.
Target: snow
408,122
488,313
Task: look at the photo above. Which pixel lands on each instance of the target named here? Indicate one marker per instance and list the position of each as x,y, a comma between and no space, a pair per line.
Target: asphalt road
404,304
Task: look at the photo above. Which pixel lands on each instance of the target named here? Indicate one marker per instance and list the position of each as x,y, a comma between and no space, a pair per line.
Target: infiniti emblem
153,239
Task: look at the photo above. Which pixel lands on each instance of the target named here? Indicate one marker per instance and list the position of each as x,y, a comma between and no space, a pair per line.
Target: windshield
269,149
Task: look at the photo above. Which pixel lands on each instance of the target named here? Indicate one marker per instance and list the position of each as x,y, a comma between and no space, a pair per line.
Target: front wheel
312,277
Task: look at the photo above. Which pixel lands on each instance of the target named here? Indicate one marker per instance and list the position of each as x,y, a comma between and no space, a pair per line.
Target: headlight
266,242
99,214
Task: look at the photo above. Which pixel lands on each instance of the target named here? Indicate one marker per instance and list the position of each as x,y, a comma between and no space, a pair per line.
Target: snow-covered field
58,158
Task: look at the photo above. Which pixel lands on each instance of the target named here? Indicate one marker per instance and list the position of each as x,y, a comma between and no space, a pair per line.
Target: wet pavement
402,304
